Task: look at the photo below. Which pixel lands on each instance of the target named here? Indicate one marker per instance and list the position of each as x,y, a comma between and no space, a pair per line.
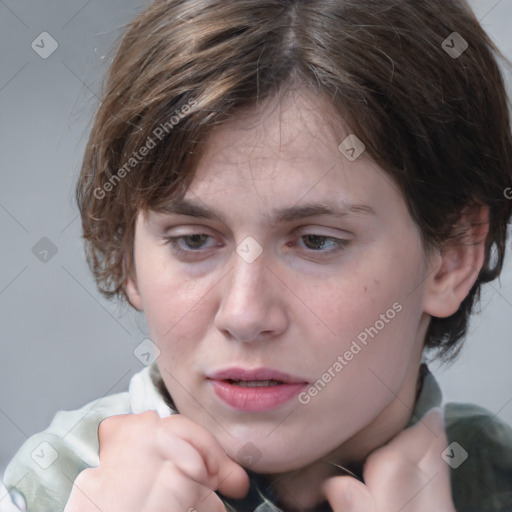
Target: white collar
144,396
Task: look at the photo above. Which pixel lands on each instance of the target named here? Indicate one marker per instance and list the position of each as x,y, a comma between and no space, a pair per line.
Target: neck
300,490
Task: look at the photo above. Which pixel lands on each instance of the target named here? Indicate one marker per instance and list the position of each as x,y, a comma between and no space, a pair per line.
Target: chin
277,465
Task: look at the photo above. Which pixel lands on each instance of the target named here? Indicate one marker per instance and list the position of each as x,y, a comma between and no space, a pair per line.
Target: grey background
62,344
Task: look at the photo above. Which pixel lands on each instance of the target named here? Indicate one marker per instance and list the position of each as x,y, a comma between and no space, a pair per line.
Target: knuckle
179,424
107,426
115,424
164,434
195,470
173,425
88,479
393,458
149,416
175,419
174,474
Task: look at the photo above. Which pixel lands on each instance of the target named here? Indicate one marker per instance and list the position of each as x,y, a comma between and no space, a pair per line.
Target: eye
316,243
187,244
195,244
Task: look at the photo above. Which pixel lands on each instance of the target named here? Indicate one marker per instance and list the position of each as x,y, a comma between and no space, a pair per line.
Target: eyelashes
339,243
192,245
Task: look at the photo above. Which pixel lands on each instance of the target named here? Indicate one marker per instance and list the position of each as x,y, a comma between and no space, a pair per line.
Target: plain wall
62,344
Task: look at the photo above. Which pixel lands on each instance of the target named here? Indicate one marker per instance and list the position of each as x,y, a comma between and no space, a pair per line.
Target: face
297,260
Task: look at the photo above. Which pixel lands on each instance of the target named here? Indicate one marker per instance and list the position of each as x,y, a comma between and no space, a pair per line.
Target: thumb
346,494
233,480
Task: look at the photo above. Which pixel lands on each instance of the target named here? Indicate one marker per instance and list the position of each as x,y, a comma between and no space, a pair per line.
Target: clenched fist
153,464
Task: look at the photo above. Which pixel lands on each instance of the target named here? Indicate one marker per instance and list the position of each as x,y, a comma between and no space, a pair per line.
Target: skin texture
300,305
150,464
407,474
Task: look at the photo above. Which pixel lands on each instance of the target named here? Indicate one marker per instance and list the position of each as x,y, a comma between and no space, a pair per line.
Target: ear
133,294
455,268
130,286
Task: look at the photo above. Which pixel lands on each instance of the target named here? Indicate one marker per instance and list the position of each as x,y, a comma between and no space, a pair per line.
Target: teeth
256,383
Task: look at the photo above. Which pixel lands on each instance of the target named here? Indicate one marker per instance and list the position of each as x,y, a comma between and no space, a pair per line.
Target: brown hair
438,123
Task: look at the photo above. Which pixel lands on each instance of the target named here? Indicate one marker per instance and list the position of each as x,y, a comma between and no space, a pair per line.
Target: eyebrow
289,214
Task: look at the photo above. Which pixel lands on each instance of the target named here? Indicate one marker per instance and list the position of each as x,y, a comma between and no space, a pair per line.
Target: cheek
173,304
372,314
362,301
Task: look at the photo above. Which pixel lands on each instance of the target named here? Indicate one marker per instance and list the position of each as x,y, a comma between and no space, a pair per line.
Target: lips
257,374
256,390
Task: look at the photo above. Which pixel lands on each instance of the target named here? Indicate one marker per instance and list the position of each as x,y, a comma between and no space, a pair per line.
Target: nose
252,305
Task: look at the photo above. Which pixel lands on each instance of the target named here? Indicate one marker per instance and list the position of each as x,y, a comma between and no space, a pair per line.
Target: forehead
286,149
295,127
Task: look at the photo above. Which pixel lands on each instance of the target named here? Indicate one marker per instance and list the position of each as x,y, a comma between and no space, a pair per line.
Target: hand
153,464
407,474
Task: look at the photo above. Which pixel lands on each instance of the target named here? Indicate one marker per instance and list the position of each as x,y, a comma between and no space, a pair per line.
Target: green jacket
40,476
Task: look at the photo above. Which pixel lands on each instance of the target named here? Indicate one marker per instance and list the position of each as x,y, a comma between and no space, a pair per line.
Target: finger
346,494
189,461
212,503
125,430
174,491
172,448
416,442
224,473
233,481
408,473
